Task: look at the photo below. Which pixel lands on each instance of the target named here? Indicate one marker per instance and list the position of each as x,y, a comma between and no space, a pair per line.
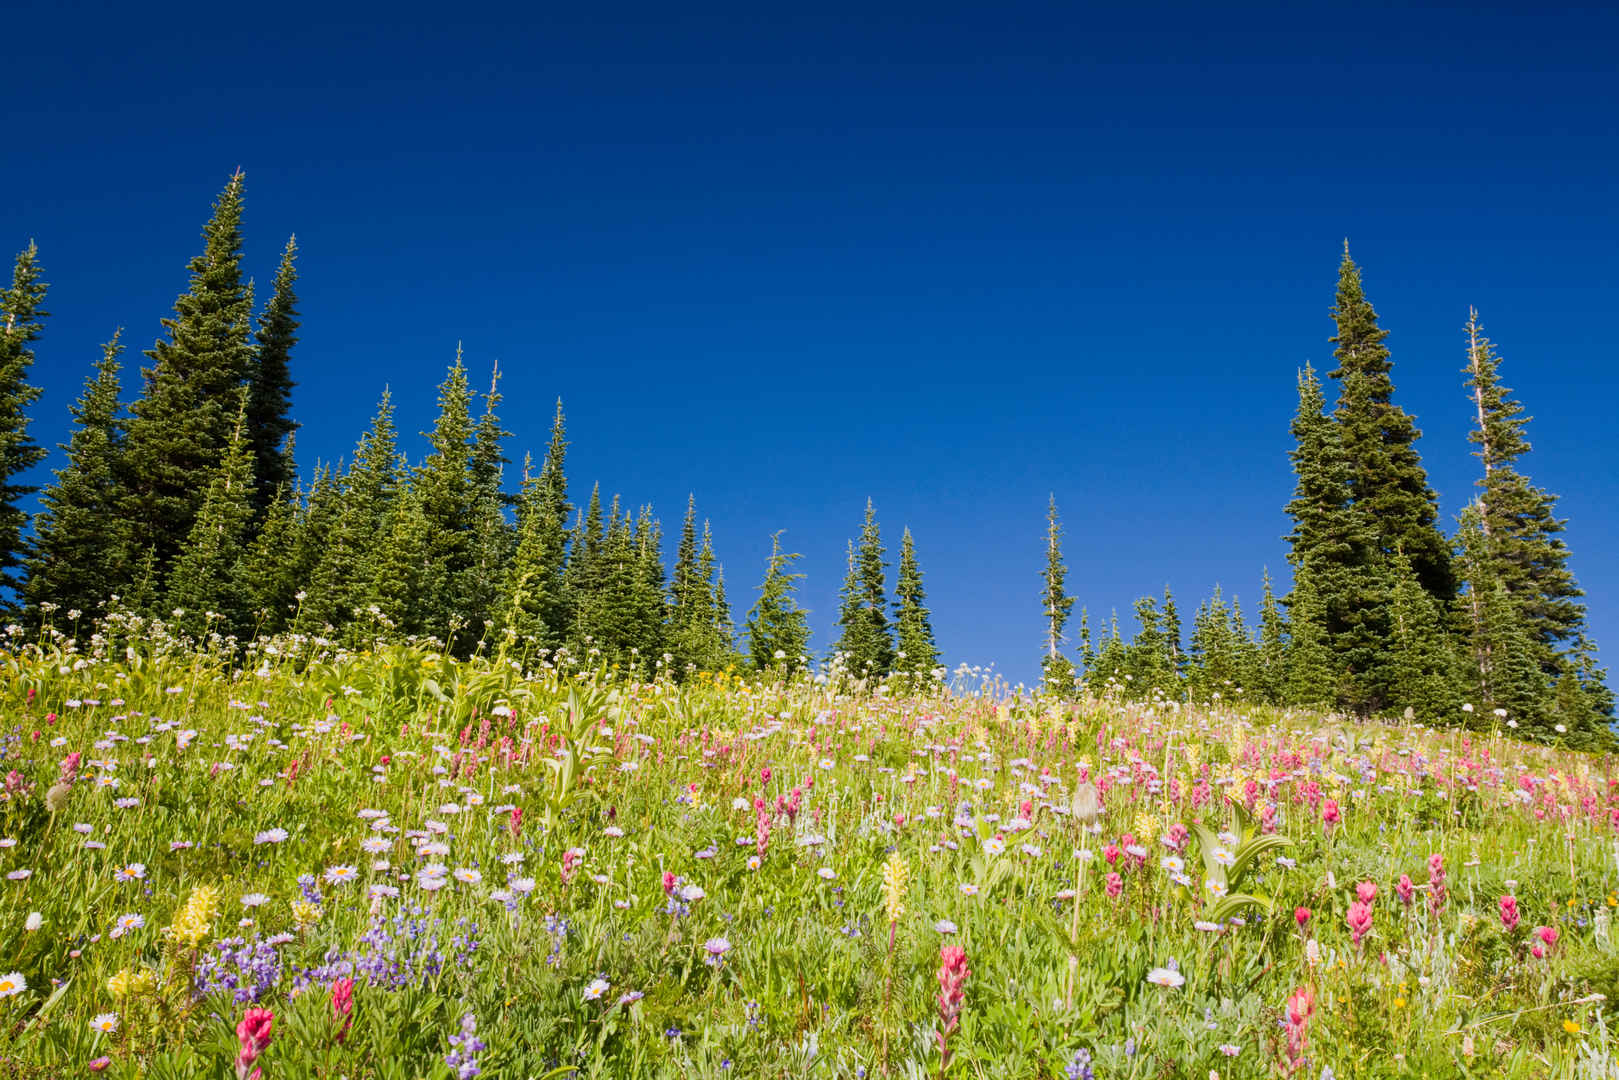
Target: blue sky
952,259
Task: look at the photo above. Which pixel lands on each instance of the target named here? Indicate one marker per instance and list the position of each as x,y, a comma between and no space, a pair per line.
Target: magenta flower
1509,912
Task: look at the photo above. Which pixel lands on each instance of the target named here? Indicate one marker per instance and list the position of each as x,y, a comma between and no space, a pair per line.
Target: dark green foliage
493,540
1147,666
264,575
866,641
917,652
80,554
269,401
1271,678
1312,675
401,563
1388,484
22,316
181,424
1336,560
1057,672
778,629
534,602
204,586
699,631
1523,548
448,506
1424,664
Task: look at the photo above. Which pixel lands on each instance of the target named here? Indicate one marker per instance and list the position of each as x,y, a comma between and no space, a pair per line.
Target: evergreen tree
1146,657
1172,638
686,596
866,641
182,423
918,654
269,402
1502,657
81,555
1424,667
778,629
1272,676
1387,482
341,583
1522,548
205,579
1245,657
22,316
402,563
1107,670
1216,654
1087,651
1057,672
1312,675
534,599
492,541
1336,561
448,506
264,573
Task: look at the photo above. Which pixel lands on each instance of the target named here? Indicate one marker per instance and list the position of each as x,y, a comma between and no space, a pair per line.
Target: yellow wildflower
894,874
1571,1027
129,983
195,917
305,914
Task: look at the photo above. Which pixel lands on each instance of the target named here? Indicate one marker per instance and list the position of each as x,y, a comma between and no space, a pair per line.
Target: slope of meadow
401,865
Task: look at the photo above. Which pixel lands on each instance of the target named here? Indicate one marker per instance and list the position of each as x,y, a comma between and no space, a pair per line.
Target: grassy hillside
523,873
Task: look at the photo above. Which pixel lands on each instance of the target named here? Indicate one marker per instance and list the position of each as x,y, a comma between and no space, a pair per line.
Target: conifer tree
1146,657
719,648
866,641
80,554
1312,675
1108,668
402,562
1423,677
1387,482
1522,546
1057,672
649,609
492,541
181,424
1335,559
684,598
1245,656
448,507
534,600
205,578
778,629
1272,676
917,653
312,531
269,403
22,316
264,573
1087,650
1502,656
341,583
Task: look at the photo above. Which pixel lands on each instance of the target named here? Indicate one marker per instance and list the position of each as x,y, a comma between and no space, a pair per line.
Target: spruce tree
269,403
1424,664
778,629
685,596
866,641
1523,548
1502,655
1057,672
205,579
1387,482
1336,560
493,540
917,652
534,600
448,507
22,316
1312,674
1272,647
402,563
312,531
181,424
1146,657
1176,657
81,554
264,575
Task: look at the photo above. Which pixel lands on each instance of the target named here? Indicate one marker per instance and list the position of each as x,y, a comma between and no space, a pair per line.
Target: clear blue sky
952,259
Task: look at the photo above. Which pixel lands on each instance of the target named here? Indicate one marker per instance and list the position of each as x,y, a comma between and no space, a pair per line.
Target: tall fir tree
448,506
1056,671
205,579
866,641
80,555
1272,646
264,574
1172,638
1336,561
1424,663
1387,482
269,402
778,629
181,424
401,563
22,318
1523,548
917,652
493,540
535,598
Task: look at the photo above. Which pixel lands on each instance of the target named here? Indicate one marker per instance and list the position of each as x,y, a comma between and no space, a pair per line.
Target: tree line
187,505
1386,615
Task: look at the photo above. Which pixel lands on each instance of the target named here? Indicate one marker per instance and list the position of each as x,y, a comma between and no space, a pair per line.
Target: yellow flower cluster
1147,826
194,919
129,983
895,873
305,914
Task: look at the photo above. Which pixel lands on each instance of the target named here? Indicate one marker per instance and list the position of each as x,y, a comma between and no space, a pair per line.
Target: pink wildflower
252,1036
953,972
343,1005
1509,912
1405,889
1360,919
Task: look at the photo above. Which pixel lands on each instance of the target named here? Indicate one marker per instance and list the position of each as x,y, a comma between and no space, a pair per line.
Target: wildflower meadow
396,863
